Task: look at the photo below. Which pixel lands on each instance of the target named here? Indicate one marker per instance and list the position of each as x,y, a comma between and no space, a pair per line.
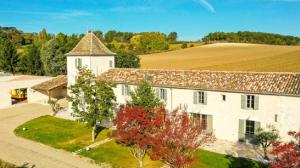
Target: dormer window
78,62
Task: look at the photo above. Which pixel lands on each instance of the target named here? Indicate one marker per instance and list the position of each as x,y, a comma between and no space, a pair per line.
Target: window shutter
195,97
209,124
157,92
256,102
257,125
205,98
129,89
241,130
243,101
79,62
165,95
123,90
76,62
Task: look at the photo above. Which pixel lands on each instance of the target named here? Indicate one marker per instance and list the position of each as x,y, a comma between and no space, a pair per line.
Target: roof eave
74,55
214,90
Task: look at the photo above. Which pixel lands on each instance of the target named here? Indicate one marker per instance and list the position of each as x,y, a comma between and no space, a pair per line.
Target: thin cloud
207,5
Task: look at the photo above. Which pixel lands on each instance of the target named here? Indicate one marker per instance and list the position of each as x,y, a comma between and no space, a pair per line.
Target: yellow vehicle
19,94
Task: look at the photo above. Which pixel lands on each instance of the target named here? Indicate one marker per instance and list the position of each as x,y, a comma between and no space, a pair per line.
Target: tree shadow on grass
98,130
239,162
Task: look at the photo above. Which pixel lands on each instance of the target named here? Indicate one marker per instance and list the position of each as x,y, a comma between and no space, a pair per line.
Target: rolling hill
228,57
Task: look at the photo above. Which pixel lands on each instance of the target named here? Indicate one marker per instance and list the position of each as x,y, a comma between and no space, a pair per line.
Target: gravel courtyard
20,151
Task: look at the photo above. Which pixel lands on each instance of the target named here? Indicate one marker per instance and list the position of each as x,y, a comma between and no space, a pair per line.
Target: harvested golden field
228,57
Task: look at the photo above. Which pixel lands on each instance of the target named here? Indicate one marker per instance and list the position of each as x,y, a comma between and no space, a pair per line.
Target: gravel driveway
19,151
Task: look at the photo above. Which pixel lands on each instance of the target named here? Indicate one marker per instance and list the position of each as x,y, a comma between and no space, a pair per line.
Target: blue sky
192,19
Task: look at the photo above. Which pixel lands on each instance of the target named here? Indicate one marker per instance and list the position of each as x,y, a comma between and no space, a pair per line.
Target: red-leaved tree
135,129
178,139
287,154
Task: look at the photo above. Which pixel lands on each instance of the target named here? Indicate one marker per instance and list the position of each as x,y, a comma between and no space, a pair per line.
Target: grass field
119,157
228,57
71,136
58,133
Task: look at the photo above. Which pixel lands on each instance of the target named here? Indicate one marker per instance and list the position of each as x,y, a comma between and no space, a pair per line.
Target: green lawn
118,156
71,136
111,153
58,133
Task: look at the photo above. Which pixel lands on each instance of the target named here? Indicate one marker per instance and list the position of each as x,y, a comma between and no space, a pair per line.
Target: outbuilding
14,88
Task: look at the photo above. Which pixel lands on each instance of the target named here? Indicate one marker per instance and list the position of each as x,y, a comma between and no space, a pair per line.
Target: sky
192,19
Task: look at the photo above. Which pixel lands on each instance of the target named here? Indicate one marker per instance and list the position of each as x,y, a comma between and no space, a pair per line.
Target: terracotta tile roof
59,81
90,45
242,82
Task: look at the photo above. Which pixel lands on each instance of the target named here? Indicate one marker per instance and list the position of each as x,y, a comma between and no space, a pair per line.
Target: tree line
251,37
43,53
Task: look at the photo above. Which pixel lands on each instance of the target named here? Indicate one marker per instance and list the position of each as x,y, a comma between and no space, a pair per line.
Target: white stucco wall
37,97
16,82
226,114
98,65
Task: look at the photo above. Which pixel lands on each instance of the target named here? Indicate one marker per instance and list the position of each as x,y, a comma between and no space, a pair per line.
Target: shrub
184,45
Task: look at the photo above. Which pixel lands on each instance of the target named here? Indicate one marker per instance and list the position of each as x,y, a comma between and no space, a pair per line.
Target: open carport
14,88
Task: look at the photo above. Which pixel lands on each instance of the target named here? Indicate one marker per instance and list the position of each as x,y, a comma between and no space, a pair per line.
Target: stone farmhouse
232,104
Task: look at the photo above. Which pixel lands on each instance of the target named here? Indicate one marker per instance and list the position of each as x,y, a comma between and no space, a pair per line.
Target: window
125,90
224,97
250,102
202,118
250,128
276,117
204,121
78,62
201,97
163,94
111,64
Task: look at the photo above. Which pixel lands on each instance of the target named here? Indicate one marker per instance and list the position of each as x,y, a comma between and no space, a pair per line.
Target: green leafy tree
43,36
92,100
53,58
127,59
30,61
110,35
99,34
266,137
251,37
172,37
144,96
8,55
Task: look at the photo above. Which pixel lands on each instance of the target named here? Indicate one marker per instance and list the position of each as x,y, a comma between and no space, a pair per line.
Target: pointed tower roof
90,45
